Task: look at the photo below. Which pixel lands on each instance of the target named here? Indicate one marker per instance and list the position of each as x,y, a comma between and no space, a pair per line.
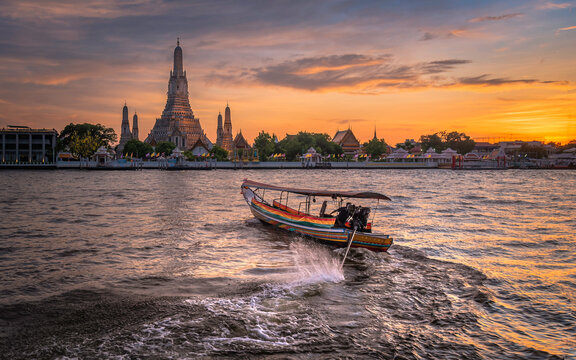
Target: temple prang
177,123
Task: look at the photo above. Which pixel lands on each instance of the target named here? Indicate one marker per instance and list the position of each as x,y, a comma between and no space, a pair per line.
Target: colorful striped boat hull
321,229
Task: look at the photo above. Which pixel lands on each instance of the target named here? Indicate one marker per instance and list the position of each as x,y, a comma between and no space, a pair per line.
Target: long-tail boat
348,225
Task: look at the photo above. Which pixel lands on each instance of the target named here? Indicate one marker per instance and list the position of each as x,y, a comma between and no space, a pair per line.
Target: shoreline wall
232,165
172,164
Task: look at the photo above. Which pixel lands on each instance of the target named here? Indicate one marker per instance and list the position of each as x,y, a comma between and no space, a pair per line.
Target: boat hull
313,227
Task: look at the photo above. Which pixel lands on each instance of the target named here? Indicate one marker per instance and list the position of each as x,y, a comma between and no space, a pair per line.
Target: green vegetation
406,145
433,141
84,139
533,151
165,147
571,144
219,153
83,146
137,148
443,140
375,147
189,155
264,144
294,145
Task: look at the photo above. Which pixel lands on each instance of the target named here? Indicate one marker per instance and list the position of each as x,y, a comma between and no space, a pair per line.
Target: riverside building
23,145
241,148
346,139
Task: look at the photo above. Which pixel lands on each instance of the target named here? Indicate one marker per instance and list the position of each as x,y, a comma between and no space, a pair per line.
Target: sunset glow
494,70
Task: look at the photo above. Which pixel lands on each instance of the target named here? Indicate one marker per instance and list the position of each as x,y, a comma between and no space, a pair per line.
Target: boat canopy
307,192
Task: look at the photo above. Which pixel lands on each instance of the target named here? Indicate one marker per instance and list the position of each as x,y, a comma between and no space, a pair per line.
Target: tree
102,135
324,145
556,145
532,151
406,145
433,141
460,142
165,147
294,145
571,144
291,147
264,143
219,153
137,148
443,140
375,147
83,146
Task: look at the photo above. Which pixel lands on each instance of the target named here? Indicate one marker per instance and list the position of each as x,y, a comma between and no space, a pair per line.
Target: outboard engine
362,214
344,216
353,217
360,219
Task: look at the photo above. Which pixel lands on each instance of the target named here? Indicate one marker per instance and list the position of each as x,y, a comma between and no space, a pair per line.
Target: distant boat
346,226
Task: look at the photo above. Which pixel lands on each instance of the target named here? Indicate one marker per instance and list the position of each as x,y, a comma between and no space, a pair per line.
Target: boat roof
308,192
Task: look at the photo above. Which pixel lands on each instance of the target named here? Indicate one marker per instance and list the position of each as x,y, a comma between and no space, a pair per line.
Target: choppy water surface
97,264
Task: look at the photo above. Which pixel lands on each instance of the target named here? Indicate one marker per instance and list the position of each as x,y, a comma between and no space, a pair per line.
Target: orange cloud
53,80
567,28
367,75
551,5
494,18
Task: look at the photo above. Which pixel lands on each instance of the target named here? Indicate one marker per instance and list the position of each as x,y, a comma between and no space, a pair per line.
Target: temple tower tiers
227,142
125,134
219,131
177,123
135,127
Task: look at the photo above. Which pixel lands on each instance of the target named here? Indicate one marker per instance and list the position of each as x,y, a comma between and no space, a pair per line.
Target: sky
495,70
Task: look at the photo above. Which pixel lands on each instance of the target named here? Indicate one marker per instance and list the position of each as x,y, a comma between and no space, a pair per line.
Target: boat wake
314,264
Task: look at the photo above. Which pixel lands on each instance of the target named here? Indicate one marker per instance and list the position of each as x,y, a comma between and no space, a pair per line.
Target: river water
168,264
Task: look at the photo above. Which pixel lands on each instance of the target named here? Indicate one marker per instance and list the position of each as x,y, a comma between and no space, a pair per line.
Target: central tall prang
177,123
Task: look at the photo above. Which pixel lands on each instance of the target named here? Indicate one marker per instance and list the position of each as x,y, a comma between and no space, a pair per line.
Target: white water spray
315,264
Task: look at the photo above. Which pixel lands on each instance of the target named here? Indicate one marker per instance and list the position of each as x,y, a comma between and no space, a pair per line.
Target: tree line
83,140
443,140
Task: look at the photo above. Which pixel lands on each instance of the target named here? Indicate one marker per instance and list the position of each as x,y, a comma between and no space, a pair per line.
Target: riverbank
236,165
